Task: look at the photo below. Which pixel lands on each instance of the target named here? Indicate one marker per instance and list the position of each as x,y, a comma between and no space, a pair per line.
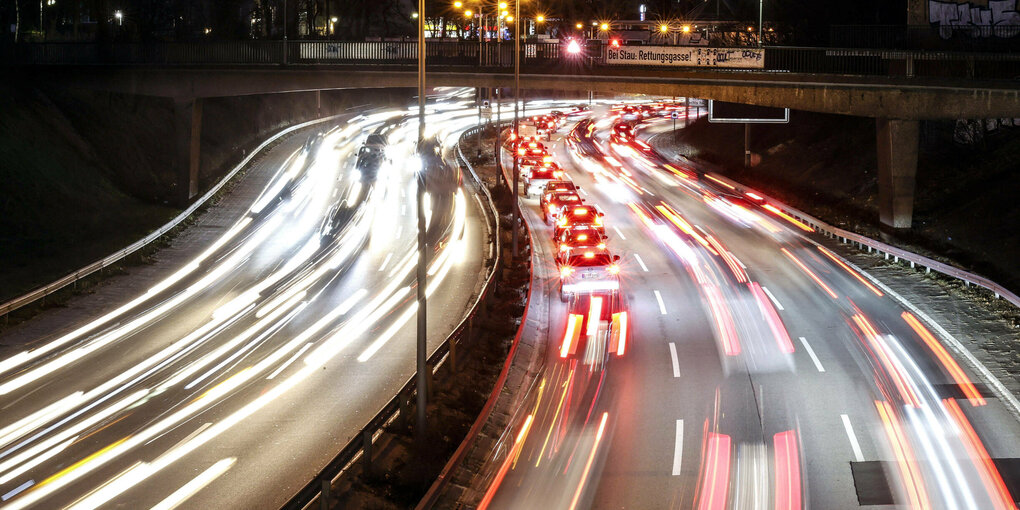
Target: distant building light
334,19
414,15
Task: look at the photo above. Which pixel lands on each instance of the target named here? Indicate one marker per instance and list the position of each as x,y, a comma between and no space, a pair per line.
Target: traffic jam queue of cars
589,273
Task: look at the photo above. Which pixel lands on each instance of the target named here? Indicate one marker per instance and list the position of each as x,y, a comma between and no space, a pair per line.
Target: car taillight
552,209
613,269
598,221
582,237
589,254
557,174
562,221
601,246
564,247
520,151
566,271
547,158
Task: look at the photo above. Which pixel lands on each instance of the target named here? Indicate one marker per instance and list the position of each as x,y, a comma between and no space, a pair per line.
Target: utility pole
284,32
517,120
760,5
422,376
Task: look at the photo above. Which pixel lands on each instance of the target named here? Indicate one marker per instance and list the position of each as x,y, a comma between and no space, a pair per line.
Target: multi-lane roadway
762,370
232,381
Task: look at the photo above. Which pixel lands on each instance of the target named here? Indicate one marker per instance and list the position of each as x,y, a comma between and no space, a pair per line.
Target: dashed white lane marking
386,261
773,298
400,230
403,209
662,306
678,448
619,233
858,455
641,262
581,191
335,191
811,352
676,362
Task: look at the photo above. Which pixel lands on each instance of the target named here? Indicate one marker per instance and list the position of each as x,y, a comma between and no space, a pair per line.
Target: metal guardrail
897,254
438,487
115,257
536,57
400,407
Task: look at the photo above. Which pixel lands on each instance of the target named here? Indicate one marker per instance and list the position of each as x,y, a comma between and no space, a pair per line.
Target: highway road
761,369
232,382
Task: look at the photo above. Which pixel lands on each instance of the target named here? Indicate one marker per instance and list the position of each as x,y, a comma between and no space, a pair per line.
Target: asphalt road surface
761,370
234,381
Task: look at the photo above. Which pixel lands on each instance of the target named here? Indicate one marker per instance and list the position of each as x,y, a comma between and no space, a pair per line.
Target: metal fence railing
400,408
536,57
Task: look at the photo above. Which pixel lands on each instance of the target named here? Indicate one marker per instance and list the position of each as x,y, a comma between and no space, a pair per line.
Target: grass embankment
86,173
965,208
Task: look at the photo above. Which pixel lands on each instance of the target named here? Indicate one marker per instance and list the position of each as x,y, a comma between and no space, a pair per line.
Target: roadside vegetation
965,208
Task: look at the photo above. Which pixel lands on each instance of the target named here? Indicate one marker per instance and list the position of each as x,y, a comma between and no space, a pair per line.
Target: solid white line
662,306
811,352
619,233
581,191
678,448
288,362
676,362
773,298
853,438
641,262
386,261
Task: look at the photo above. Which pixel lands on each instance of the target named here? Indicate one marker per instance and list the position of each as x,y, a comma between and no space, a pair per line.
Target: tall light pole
760,5
422,380
284,32
517,120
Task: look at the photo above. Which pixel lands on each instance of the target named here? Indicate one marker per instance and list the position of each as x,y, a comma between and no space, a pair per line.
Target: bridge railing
492,56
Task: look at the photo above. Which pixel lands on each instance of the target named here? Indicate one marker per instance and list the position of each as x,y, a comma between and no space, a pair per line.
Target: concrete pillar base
187,146
897,168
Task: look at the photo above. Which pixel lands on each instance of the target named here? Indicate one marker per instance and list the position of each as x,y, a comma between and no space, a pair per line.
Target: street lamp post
517,120
422,381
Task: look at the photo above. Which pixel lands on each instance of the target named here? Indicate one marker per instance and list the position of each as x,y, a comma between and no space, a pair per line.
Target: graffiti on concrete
999,18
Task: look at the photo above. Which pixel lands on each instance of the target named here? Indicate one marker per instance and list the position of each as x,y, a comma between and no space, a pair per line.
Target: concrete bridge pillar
897,167
187,146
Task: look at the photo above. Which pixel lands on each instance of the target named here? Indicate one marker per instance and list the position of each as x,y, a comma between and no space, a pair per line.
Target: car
528,165
553,204
371,156
578,238
623,132
584,214
589,271
555,186
596,329
535,180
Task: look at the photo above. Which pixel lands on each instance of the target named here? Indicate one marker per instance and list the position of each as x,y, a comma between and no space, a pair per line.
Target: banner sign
679,56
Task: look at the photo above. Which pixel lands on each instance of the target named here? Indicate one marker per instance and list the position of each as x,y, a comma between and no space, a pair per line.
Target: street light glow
414,15
687,28
603,27
578,26
540,18
509,19
468,13
572,47
458,4
502,6
664,28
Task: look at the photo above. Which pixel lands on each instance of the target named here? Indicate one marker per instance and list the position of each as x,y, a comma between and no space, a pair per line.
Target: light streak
990,476
591,459
773,209
811,274
832,256
888,359
511,456
573,330
910,472
787,471
196,484
951,366
716,477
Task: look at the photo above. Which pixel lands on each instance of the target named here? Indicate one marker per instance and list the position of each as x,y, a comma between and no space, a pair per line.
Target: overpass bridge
898,88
